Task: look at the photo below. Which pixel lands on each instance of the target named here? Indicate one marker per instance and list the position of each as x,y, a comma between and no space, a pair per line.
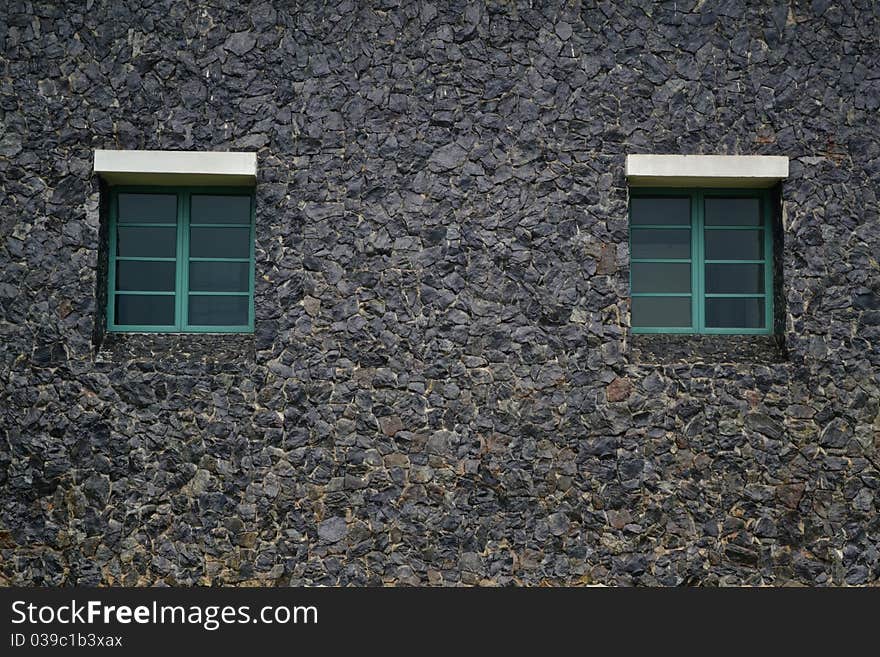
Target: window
181,259
701,261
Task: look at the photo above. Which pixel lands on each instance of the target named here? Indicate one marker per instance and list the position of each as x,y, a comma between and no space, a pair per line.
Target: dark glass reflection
660,277
735,313
147,208
145,276
215,209
218,310
648,243
144,310
733,212
219,242
219,276
734,244
661,312
660,210
146,241
734,279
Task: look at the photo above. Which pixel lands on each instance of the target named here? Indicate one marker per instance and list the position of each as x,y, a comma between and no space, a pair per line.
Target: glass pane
217,310
661,277
734,279
735,313
142,309
660,210
661,312
219,276
145,276
734,244
146,241
733,212
148,208
648,243
220,243
221,209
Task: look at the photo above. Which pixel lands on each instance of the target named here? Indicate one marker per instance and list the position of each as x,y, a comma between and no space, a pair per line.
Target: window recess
701,261
181,259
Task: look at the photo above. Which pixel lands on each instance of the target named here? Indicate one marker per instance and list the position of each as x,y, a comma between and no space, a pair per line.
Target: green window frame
182,297
641,283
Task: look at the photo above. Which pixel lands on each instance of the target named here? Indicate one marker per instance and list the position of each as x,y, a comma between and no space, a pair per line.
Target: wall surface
443,387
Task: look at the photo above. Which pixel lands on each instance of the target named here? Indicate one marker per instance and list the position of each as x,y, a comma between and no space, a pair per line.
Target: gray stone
837,434
240,42
558,524
563,30
447,157
332,529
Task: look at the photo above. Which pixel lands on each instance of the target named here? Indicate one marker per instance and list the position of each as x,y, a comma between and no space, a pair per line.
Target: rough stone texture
442,387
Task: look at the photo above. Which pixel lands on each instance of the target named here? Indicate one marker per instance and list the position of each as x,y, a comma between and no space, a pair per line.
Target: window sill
666,349
221,352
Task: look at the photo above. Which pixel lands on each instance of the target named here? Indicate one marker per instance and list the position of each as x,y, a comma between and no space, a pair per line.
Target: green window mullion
660,227
733,295
143,259
734,262
662,260
659,294
146,224
220,259
697,257
180,287
768,261
183,259
734,227
253,264
220,225
111,260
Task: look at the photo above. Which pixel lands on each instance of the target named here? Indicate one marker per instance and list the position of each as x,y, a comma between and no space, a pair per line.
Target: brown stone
790,494
618,519
396,460
312,305
618,390
390,424
6,540
606,263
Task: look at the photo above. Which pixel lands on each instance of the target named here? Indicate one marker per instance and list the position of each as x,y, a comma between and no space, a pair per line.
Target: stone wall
442,387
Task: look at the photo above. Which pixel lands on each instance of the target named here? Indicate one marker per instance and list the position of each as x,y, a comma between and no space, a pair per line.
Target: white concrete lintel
705,170
126,167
